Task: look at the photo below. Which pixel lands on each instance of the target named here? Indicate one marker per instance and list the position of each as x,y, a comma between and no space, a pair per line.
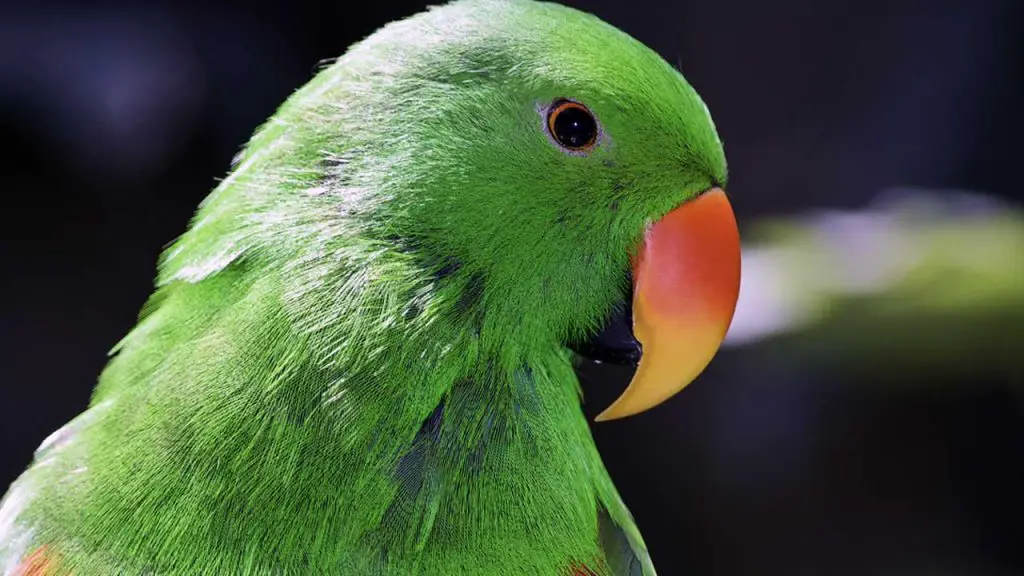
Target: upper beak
686,279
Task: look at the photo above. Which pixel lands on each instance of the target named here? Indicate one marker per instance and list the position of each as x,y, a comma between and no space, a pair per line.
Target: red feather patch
39,563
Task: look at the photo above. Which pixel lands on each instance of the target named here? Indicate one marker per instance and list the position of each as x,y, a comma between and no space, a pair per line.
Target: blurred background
864,419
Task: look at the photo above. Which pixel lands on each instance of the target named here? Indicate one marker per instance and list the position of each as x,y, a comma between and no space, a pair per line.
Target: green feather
354,361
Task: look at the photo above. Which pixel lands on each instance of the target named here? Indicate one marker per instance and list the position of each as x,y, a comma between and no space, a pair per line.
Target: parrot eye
572,125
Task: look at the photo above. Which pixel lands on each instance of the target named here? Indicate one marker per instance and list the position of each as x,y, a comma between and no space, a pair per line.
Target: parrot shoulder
54,458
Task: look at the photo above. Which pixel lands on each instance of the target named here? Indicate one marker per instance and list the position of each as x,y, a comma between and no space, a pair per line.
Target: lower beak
686,279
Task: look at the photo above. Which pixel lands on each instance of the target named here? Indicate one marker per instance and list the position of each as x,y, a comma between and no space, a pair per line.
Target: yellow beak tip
686,283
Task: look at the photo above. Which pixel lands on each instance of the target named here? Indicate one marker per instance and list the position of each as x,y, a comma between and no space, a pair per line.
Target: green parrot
359,357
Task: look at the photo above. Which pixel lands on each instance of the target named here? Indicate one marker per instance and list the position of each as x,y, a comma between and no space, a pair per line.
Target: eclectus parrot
359,357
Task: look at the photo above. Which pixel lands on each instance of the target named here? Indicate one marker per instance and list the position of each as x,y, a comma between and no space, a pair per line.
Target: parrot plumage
357,360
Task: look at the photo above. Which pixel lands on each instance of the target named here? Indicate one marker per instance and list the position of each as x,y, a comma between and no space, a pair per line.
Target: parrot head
554,182
567,181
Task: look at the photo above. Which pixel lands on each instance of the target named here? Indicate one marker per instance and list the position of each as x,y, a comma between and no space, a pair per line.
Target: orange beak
686,280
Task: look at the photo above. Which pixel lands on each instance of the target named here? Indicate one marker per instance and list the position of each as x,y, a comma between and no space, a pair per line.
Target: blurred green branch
919,283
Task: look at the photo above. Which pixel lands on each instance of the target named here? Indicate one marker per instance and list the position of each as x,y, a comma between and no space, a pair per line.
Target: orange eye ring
572,125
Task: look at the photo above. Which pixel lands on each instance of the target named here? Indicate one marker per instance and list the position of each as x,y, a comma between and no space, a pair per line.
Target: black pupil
574,127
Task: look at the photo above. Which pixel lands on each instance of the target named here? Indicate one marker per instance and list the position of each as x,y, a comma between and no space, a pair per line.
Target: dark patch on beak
614,342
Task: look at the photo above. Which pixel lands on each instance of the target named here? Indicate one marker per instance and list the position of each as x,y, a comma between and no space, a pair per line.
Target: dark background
116,120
